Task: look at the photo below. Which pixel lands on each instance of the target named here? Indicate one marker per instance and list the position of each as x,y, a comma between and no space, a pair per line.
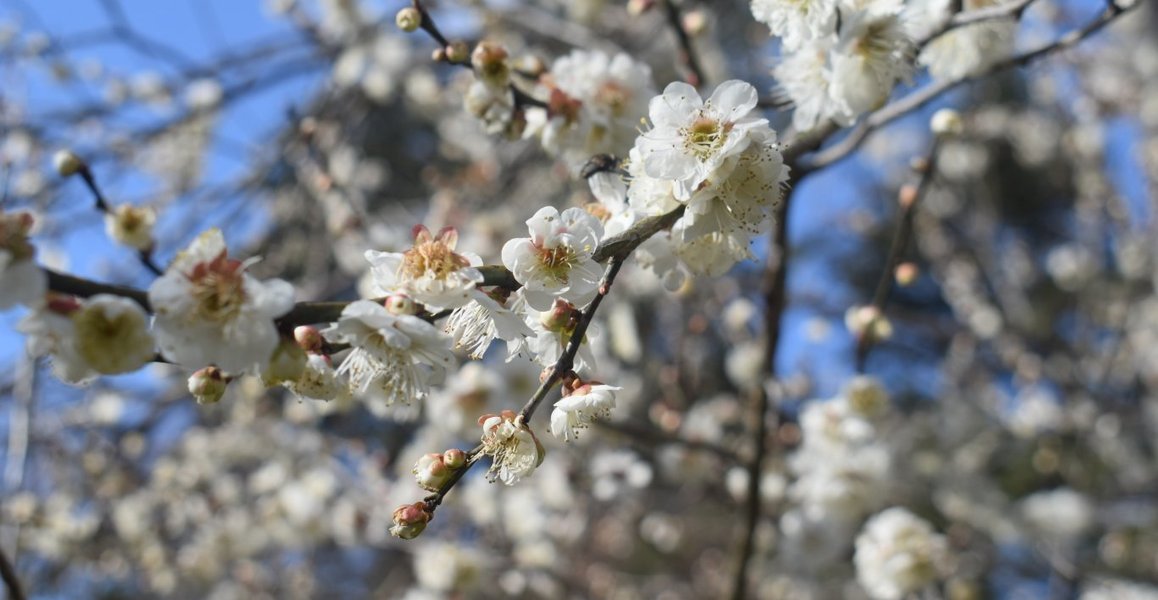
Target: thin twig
775,301
11,581
904,231
145,256
919,98
693,73
989,13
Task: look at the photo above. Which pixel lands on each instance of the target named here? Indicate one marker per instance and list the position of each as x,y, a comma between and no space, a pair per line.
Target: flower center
556,262
614,96
705,136
432,257
218,288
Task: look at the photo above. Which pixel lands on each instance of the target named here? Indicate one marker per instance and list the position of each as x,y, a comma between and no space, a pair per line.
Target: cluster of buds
433,471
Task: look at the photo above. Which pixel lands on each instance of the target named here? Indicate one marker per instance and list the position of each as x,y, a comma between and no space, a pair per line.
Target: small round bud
490,63
454,458
410,520
946,122
67,163
458,52
287,364
907,273
695,22
638,7
907,195
408,19
207,385
561,317
438,55
399,304
868,322
309,338
131,226
431,472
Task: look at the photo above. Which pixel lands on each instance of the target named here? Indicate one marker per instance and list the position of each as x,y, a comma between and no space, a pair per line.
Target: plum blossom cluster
842,470
717,160
842,58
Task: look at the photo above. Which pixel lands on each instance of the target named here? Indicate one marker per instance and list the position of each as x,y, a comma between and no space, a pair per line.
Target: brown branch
989,13
693,72
904,232
11,581
775,302
919,98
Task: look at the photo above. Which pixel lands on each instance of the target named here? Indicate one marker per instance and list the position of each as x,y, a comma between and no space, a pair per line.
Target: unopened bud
458,52
67,163
454,458
410,520
907,273
695,22
431,472
638,7
288,363
131,226
399,304
946,122
438,55
309,338
207,385
561,317
408,19
490,63
907,195
868,322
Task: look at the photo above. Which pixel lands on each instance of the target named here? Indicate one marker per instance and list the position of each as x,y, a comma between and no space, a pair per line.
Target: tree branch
904,232
775,302
919,98
11,581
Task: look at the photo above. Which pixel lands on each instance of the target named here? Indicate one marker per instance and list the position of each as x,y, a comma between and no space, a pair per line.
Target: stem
775,301
11,581
694,74
901,238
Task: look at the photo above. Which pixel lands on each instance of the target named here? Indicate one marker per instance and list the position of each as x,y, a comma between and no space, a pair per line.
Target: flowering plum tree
664,210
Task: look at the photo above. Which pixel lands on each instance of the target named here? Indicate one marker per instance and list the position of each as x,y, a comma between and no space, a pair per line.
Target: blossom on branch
209,311
102,335
430,272
394,356
578,409
555,262
512,446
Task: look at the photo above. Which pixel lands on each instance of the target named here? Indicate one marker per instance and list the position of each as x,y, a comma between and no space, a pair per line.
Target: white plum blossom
318,381
475,325
595,104
555,262
897,554
872,53
209,311
21,280
394,357
512,446
552,331
430,272
963,51
102,335
692,138
805,76
493,105
580,408
796,21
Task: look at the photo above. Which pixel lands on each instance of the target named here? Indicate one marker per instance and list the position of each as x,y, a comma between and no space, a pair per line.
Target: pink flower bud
309,338
410,520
